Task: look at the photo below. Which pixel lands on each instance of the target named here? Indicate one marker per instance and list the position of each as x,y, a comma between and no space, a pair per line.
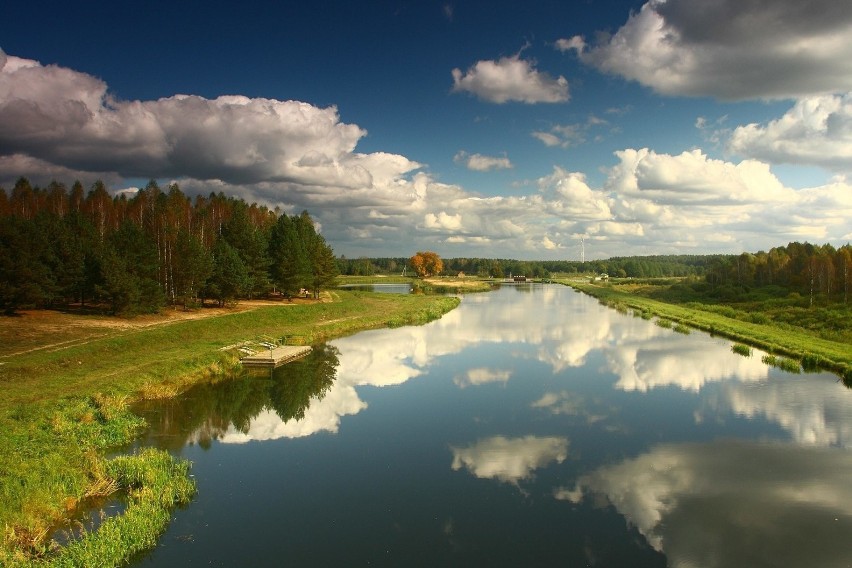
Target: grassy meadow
67,383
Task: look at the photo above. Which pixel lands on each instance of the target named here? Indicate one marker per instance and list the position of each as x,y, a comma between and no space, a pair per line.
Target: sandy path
36,330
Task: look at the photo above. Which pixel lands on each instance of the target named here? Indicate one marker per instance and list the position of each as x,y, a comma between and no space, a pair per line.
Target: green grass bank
66,404
763,325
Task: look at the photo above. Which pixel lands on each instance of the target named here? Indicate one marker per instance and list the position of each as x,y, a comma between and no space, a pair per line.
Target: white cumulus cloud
510,79
815,131
62,116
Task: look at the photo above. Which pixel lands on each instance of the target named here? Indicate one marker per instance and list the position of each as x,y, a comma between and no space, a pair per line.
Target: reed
783,363
154,482
741,349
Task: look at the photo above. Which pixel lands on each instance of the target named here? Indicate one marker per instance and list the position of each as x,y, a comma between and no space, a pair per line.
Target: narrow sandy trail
48,330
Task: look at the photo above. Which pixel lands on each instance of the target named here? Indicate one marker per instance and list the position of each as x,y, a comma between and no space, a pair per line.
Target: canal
530,426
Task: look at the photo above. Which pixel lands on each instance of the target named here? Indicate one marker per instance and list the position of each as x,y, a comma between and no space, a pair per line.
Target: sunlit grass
153,482
820,337
783,363
171,356
741,349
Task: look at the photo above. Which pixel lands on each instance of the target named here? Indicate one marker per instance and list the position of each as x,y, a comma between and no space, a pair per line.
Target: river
531,426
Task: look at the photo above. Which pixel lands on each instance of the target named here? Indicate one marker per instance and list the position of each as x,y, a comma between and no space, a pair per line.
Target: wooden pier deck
275,357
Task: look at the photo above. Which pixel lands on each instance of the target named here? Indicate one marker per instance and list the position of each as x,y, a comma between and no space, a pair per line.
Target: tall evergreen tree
66,258
323,265
230,278
290,267
251,244
193,265
25,276
129,271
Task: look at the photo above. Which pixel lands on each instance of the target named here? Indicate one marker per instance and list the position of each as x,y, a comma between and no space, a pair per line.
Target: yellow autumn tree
426,264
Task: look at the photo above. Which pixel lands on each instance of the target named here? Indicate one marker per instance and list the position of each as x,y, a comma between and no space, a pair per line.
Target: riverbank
433,284
456,284
807,348
67,384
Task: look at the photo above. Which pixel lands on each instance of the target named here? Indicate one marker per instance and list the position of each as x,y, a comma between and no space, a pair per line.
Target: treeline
814,271
140,252
633,267
481,267
818,272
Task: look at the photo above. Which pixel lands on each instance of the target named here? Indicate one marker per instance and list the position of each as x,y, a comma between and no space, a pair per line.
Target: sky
535,130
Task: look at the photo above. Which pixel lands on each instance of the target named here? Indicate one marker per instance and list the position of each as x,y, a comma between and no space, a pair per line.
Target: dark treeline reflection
206,412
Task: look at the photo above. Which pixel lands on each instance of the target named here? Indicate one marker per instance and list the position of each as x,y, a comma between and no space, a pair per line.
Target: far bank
802,345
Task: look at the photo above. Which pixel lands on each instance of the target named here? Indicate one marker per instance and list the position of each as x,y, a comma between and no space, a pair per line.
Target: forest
813,271
136,254
624,267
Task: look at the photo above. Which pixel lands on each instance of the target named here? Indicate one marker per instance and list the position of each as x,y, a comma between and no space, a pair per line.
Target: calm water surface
530,426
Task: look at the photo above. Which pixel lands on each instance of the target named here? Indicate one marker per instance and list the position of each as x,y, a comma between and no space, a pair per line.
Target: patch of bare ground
35,330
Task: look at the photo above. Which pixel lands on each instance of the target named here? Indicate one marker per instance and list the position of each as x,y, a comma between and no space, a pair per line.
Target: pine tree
289,268
230,278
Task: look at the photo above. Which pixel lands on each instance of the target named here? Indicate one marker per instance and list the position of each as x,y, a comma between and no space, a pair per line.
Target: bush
758,318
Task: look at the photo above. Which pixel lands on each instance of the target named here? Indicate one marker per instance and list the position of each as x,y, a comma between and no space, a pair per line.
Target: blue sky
494,129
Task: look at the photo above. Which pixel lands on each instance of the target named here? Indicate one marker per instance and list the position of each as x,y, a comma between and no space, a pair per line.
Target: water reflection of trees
207,411
311,378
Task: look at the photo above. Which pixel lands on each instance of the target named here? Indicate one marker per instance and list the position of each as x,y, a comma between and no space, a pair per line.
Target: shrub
758,317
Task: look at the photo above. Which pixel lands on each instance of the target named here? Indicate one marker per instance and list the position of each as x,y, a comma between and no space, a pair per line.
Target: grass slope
761,324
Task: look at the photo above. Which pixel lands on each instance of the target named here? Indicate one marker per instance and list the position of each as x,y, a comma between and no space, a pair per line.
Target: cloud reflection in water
510,459
733,503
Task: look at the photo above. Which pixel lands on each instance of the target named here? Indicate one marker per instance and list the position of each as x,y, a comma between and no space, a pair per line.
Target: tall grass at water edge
777,335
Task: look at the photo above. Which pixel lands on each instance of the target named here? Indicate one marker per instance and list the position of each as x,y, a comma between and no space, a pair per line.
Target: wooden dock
275,357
